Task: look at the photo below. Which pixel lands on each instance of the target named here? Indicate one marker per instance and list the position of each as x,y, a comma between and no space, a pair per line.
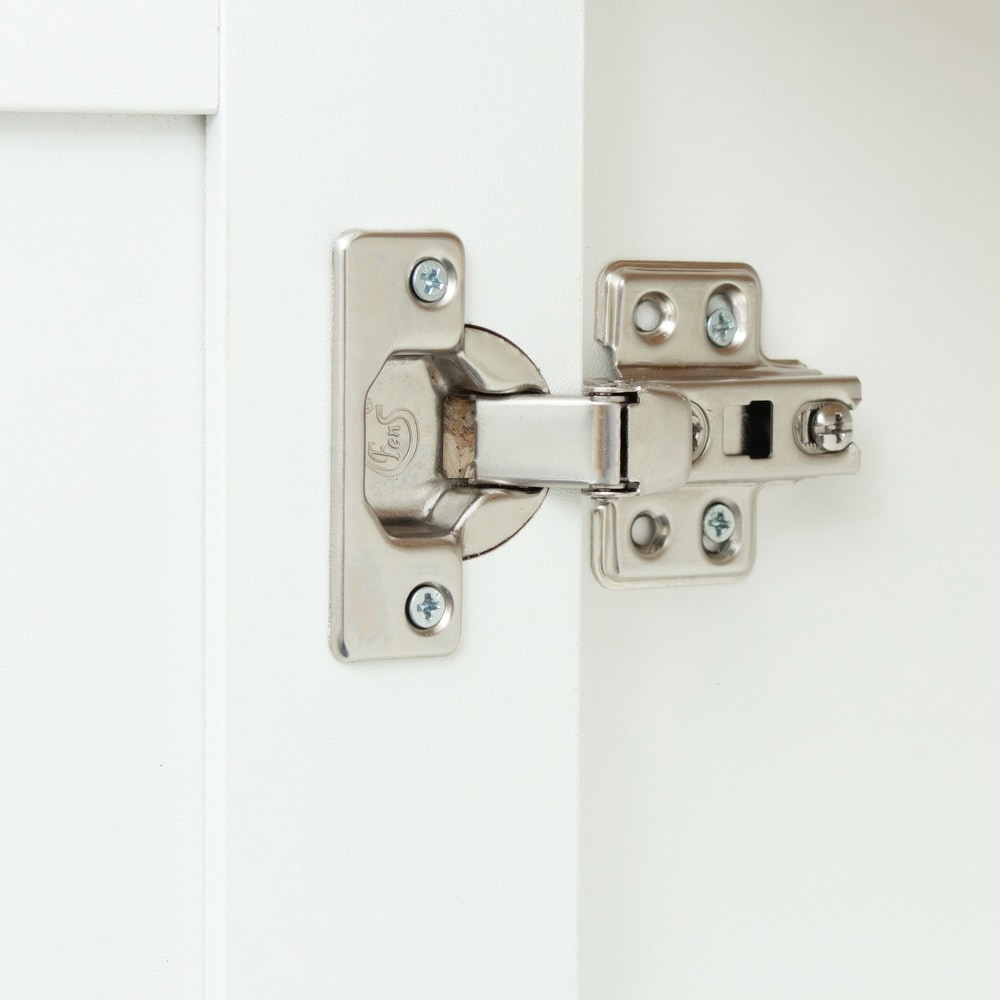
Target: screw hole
647,316
654,316
649,533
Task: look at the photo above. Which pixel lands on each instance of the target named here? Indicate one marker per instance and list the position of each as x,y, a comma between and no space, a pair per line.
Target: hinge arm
606,442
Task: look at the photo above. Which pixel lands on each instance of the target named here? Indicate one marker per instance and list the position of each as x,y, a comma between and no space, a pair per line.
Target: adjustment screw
718,523
721,327
425,607
429,280
699,432
830,427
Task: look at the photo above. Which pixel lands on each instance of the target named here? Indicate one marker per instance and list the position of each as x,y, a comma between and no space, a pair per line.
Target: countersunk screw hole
649,533
647,316
654,316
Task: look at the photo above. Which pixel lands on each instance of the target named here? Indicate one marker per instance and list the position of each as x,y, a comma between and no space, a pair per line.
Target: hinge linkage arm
610,441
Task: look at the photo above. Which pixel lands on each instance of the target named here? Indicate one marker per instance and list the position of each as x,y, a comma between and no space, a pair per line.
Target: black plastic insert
758,421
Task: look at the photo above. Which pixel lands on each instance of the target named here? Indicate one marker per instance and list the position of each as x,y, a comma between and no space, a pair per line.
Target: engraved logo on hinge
391,439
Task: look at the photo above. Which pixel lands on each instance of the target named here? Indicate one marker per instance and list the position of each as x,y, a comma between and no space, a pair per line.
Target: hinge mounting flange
754,420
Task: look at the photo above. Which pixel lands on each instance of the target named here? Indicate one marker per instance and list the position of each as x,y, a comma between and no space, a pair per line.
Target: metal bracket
445,438
696,327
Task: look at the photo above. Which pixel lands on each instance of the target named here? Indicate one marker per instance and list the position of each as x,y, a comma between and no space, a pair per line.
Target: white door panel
789,785
101,560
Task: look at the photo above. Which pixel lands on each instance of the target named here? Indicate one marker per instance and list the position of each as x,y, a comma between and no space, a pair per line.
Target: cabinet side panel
789,785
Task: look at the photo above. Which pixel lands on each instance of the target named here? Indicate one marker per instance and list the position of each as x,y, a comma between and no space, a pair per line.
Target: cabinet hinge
446,439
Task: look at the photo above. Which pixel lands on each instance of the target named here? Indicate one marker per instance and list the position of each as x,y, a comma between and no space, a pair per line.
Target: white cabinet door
101,557
790,785
404,829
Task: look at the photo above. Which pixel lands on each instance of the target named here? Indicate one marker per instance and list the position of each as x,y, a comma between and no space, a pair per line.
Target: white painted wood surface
793,796
790,785
101,767
405,829
152,56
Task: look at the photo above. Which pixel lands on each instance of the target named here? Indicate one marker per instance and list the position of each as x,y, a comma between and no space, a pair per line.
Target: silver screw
830,427
718,523
426,606
429,280
721,327
699,432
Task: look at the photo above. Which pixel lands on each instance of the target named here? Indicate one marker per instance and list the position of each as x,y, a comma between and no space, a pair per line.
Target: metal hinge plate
751,420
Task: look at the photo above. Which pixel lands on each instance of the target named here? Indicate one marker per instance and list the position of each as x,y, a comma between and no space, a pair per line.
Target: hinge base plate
750,419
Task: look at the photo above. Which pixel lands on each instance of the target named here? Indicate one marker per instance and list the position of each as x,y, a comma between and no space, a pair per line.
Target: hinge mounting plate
751,419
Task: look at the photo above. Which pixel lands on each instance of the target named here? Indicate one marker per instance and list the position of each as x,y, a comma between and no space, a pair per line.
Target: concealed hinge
445,438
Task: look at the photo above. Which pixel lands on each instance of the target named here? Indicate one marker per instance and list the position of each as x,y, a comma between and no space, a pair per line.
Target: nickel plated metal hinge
446,439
